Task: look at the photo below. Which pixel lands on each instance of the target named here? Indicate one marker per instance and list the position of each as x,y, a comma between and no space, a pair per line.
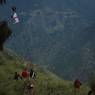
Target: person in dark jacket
16,76
32,74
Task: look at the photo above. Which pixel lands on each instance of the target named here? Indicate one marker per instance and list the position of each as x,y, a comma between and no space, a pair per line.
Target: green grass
46,82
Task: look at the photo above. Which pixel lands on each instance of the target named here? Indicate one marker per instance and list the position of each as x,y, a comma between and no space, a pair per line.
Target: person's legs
76,91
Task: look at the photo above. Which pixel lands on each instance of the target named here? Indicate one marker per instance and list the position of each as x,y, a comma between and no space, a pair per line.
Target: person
77,85
25,73
29,87
34,75
31,73
17,76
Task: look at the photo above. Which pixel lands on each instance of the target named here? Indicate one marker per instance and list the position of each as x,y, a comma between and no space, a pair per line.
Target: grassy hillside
46,83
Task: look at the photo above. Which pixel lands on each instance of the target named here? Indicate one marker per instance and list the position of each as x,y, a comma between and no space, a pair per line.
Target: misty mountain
57,34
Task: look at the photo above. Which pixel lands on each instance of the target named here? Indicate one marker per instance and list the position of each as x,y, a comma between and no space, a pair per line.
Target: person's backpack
25,74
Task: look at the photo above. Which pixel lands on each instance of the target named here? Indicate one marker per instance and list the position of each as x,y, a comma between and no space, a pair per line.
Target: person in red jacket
25,73
77,83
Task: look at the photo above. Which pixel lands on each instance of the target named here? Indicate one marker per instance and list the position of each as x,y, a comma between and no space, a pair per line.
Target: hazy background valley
58,34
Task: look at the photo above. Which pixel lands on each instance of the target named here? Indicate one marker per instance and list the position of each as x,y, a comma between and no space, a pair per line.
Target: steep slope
55,33
46,83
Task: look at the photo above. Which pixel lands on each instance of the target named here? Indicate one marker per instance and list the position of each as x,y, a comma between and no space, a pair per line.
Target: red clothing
25,74
77,83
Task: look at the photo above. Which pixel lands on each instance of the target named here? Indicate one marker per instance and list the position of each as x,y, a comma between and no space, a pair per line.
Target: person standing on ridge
77,85
25,74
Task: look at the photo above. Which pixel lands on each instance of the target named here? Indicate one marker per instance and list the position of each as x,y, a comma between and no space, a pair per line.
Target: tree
5,31
2,2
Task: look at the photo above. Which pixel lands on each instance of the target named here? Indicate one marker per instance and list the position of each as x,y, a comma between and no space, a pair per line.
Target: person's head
25,68
31,70
14,9
76,79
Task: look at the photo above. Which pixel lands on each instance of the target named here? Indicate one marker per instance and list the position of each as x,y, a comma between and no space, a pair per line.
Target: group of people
77,85
25,74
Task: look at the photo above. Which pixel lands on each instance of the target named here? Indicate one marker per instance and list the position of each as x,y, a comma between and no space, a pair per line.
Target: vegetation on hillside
46,83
